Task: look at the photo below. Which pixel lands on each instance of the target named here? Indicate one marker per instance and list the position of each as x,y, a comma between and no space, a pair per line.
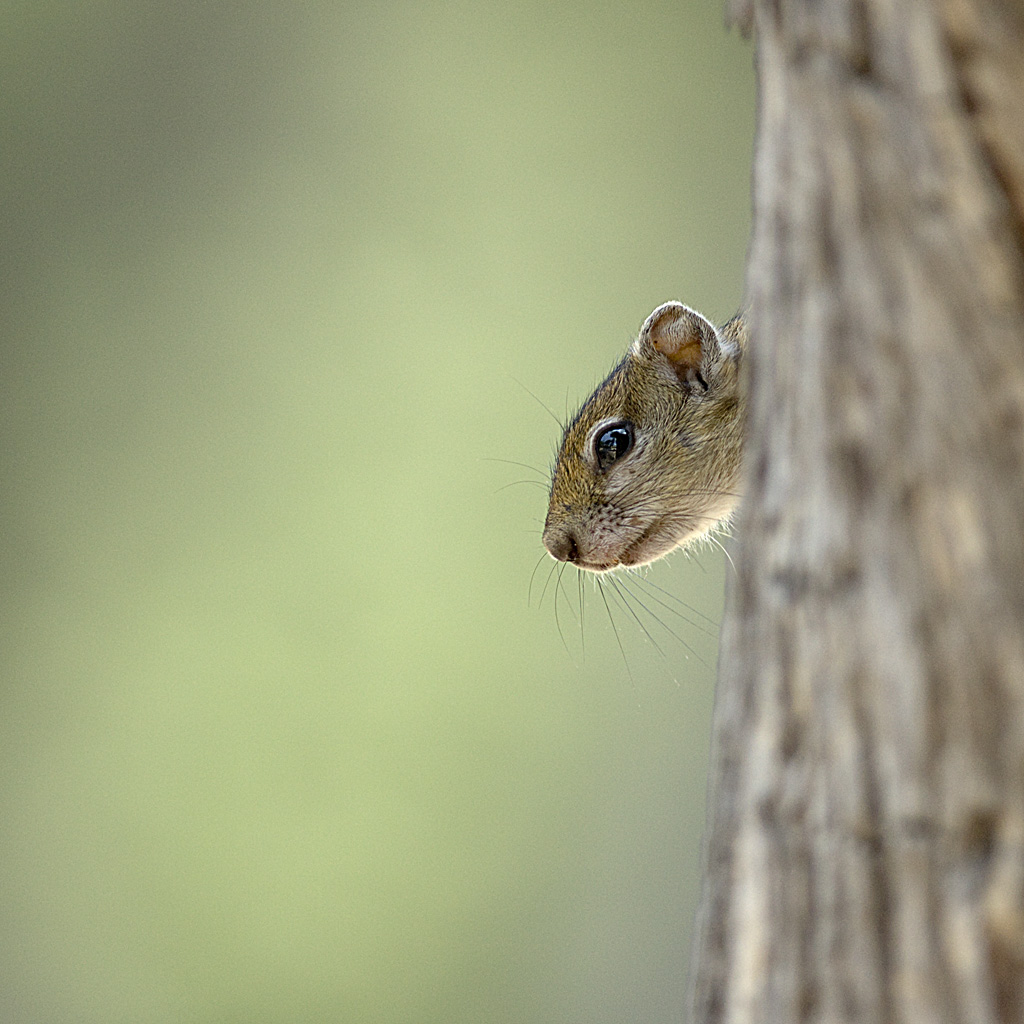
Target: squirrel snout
561,544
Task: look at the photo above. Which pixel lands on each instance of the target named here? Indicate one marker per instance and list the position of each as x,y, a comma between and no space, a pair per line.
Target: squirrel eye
612,443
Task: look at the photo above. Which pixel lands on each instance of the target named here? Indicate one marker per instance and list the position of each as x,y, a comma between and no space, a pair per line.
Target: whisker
615,590
618,639
543,405
579,595
725,551
529,590
521,465
515,483
558,625
664,625
679,601
547,583
558,585
675,611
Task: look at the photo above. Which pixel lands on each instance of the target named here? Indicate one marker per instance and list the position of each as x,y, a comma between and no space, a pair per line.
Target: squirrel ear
683,337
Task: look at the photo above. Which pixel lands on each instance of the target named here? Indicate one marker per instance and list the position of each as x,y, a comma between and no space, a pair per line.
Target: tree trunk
865,852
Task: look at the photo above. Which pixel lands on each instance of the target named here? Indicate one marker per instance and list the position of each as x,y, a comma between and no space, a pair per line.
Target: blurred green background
283,739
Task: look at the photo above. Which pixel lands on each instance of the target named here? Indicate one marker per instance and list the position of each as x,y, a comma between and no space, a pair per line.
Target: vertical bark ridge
865,848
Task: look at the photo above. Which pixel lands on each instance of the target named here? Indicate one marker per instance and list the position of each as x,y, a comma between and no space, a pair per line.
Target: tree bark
865,848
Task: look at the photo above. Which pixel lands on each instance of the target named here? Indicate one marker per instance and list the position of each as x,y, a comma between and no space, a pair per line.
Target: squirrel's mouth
651,544
637,552
654,542
597,566
656,539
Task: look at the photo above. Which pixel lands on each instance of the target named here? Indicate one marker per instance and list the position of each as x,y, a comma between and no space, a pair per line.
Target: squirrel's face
652,458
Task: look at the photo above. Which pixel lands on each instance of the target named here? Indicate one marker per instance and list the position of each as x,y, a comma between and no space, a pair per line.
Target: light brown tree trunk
865,853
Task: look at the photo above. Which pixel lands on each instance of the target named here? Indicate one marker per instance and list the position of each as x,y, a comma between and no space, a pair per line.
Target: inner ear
685,338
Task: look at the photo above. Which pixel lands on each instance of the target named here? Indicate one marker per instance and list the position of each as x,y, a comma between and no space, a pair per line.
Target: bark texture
865,852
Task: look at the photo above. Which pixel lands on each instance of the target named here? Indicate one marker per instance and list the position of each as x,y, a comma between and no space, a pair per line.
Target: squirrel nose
562,545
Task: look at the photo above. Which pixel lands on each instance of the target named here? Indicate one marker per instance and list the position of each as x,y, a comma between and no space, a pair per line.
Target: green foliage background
282,738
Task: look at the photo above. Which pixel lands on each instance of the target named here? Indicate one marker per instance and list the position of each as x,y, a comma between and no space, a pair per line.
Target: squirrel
652,459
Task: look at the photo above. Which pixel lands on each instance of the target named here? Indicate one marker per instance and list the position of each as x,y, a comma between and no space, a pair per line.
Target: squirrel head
652,458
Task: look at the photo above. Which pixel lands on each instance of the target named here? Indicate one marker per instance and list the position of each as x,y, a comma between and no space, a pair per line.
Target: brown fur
681,477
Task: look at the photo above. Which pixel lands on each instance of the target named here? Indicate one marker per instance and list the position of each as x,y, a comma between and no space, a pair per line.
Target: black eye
612,443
